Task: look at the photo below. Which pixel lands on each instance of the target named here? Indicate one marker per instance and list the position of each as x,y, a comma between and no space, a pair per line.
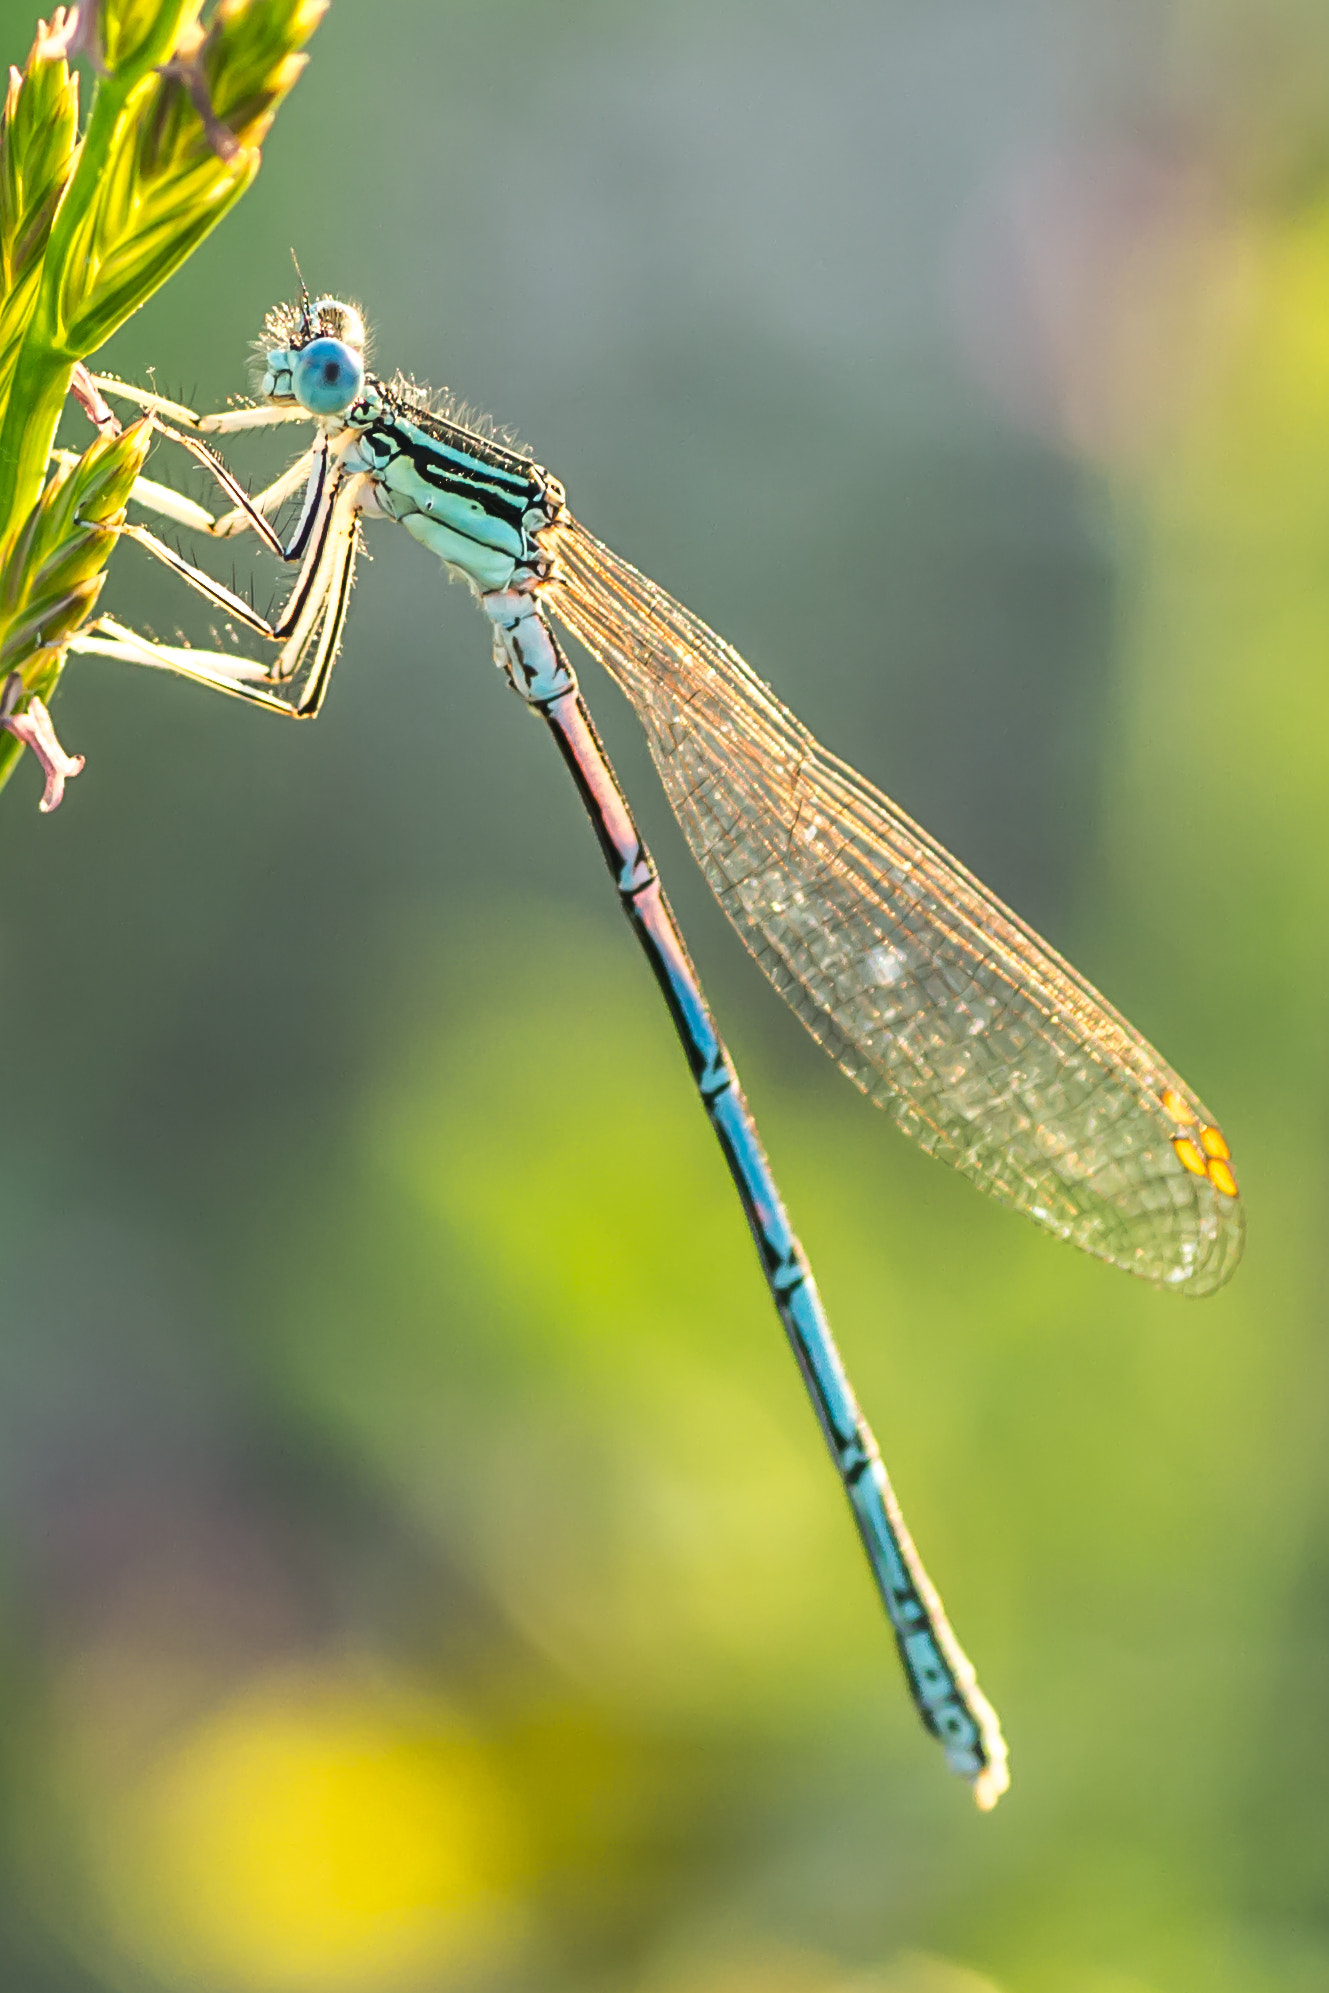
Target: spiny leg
219,671
317,527
204,584
340,577
316,521
324,540
315,614
318,603
226,421
238,519
246,510
167,503
248,513
232,673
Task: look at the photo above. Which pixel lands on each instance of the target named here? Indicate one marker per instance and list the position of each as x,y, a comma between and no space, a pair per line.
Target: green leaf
136,35
37,147
56,570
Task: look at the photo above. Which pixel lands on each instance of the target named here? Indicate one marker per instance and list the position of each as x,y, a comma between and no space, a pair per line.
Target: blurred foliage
421,1570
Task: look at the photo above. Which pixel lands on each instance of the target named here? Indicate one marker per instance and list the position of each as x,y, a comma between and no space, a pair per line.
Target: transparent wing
983,1044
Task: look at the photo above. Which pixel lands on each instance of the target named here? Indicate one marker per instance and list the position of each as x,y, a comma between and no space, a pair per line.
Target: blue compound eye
327,376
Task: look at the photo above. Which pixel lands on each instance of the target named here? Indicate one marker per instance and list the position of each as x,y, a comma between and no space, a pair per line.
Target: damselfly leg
324,542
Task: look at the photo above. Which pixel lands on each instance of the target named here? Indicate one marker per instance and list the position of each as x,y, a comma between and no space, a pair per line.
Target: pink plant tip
34,727
92,402
61,37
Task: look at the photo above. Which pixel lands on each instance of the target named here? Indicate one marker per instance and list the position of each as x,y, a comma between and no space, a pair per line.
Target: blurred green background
421,1573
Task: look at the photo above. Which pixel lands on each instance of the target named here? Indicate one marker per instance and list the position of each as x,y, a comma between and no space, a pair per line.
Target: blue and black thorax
478,504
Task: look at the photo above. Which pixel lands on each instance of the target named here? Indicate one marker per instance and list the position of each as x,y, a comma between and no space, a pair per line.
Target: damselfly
983,1044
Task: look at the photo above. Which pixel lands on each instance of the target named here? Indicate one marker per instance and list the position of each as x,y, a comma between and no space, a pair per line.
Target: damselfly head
313,352
298,324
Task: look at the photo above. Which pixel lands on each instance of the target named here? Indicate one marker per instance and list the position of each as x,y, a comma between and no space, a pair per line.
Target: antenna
305,313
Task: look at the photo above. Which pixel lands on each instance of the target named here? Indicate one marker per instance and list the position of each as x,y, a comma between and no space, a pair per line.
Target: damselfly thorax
482,508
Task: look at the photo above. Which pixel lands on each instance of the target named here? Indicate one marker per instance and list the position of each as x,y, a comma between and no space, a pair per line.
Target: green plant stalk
38,151
172,141
46,361
42,377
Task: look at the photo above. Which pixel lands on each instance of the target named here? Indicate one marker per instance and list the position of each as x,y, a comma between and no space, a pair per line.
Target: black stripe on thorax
451,457
446,468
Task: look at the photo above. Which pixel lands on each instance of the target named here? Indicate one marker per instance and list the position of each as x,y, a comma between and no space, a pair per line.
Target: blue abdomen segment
940,1677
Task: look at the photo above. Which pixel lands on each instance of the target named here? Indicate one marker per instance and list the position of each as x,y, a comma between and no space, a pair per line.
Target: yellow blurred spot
1222,1178
1178,1108
311,1835
1190,1155
1213,1144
